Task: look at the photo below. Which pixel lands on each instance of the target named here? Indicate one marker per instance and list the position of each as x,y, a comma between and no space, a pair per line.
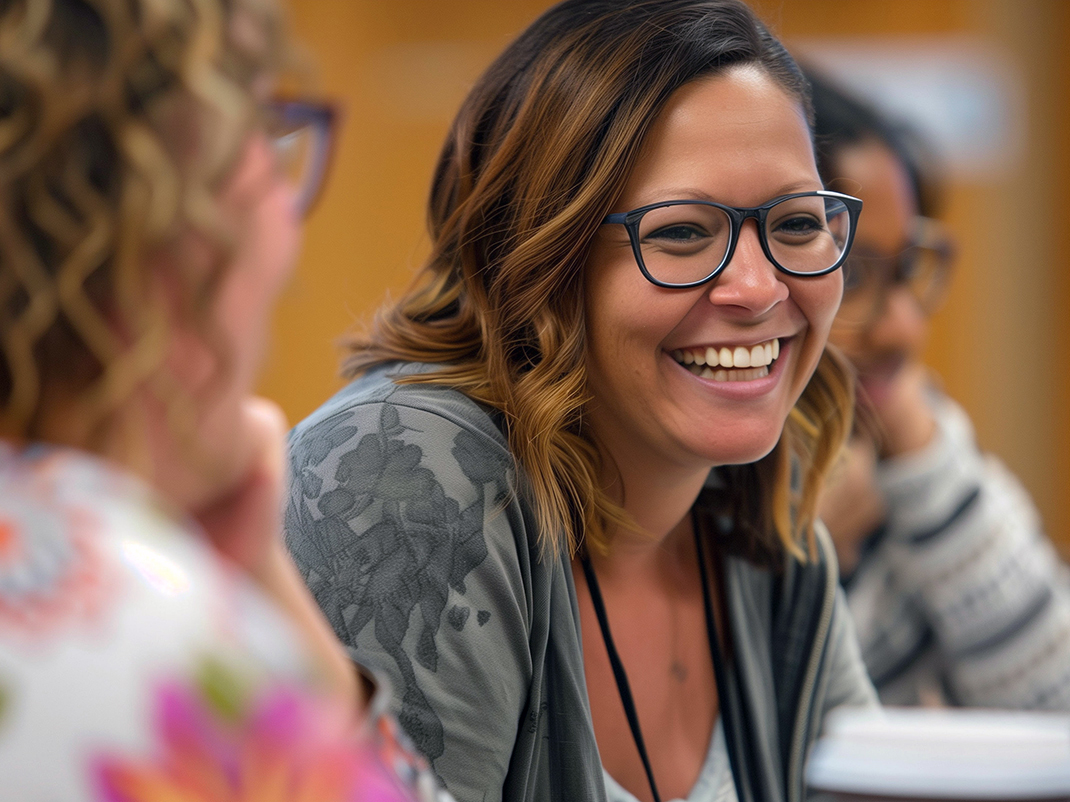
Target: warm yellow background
400,68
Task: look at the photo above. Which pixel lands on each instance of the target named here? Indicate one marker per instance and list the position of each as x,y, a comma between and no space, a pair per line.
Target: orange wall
400,68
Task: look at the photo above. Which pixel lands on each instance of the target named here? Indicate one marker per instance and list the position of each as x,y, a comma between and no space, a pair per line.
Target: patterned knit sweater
960,598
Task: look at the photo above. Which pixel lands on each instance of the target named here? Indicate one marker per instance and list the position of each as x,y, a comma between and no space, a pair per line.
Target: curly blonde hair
118,120
536,158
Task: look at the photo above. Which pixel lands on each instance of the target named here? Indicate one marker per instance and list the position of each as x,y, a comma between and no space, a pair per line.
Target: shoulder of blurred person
129,653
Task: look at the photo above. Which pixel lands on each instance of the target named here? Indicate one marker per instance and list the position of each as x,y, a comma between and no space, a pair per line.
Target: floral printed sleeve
136,667
216,740
405,525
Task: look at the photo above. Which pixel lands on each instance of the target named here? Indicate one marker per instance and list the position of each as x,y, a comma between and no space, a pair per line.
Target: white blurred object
960,92
943,754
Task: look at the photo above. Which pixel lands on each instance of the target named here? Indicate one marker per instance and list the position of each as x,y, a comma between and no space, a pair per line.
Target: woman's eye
799,226
682,232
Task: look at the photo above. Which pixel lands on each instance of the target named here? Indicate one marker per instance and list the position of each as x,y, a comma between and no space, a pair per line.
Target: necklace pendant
678,671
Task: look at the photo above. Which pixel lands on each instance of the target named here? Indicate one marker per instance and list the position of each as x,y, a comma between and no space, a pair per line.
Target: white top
136,664
714,783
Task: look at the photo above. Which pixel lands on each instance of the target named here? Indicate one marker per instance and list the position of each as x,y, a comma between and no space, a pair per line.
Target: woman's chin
740,447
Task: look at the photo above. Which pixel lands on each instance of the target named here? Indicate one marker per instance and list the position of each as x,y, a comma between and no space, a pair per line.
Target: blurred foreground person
958,597
150,202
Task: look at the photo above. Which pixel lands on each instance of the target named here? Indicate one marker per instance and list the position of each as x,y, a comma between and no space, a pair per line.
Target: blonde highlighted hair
536,158
118,120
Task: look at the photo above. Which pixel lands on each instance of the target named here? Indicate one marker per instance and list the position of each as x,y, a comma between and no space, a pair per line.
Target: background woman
957,595
148,221
524,464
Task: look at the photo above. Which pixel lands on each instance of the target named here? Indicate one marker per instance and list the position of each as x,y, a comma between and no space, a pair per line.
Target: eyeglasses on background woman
923,268
302,134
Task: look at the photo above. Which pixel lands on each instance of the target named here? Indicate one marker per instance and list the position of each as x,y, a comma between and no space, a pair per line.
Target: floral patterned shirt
136,666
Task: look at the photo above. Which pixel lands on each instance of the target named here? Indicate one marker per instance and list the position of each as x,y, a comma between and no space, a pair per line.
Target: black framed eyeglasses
686,243
301,132
923,268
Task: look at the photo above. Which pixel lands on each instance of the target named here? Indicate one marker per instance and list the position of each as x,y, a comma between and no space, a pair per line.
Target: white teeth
746,375
747,363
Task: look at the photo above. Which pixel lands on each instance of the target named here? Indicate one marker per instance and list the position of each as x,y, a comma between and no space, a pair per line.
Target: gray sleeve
845,681
405,527
966,553
848,682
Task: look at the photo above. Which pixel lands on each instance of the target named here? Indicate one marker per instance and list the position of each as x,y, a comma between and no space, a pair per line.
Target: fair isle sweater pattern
960,598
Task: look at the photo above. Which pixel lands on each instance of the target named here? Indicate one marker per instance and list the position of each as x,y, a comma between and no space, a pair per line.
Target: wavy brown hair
118,120
537,156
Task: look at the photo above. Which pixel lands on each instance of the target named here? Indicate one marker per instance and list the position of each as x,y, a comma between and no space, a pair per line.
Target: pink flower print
284,747
52,571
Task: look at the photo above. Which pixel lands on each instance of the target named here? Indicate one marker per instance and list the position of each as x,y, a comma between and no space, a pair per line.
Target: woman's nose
749,281
900,323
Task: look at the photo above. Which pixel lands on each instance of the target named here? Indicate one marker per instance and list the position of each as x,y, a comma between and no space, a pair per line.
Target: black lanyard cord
624,689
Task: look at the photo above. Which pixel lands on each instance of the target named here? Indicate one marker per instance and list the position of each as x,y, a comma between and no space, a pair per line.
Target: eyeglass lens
686,242
921,270
300,135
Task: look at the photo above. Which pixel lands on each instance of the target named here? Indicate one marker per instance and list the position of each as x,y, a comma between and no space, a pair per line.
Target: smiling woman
568,501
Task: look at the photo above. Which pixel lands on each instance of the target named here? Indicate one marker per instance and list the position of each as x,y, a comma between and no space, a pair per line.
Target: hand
906,419
852,506
246,527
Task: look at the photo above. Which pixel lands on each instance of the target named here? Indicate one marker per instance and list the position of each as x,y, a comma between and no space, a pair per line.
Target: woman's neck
659,501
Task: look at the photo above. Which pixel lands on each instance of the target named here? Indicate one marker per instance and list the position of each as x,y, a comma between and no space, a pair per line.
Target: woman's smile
723,370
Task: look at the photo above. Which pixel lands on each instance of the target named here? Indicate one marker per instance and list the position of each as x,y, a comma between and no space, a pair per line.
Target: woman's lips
878,378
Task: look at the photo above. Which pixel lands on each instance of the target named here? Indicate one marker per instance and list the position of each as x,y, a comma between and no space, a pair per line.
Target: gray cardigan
405,522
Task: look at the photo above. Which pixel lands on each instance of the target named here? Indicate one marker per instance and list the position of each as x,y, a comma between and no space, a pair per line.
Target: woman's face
738,139
893,338
259,204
